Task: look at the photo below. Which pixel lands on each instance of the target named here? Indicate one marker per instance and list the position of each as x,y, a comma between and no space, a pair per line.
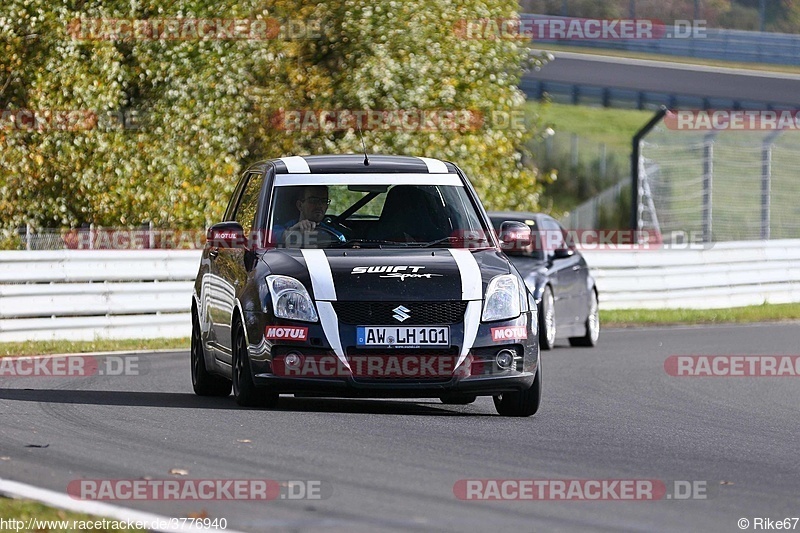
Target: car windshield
362,214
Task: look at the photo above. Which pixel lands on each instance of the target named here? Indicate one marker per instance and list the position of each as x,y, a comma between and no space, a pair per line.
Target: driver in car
312,206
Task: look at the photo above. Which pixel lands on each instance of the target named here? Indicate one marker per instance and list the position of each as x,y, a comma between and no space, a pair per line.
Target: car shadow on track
381,406
176,400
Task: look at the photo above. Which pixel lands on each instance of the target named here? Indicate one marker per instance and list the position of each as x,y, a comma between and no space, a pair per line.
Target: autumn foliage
115,114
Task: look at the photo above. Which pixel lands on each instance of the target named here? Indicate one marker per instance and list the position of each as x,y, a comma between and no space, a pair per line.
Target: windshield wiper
450,239
365,243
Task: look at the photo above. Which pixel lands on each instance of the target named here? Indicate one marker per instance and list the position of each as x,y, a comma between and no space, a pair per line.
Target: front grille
420,313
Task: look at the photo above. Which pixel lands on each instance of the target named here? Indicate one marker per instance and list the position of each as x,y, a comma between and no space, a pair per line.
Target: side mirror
563,253
515,237
226,235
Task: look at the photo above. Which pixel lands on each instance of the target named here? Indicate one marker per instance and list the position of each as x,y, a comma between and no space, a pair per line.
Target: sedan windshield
366,215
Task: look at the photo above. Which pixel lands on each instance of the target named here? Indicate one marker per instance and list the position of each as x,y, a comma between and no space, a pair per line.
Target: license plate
402,336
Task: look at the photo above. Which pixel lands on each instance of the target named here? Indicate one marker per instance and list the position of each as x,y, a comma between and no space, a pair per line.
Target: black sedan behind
558,276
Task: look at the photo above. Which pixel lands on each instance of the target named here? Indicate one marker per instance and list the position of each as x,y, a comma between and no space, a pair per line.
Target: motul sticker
509,333
286,333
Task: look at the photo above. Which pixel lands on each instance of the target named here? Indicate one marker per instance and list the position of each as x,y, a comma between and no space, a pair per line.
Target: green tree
207,107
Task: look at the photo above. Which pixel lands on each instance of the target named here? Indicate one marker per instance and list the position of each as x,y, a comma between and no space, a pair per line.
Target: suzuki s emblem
401,313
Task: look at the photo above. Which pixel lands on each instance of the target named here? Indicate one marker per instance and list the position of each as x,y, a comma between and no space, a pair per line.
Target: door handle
576,267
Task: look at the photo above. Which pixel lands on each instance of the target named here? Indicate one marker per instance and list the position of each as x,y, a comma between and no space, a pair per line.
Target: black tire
521,403
204,383
547,319
592,325
458,399
245,391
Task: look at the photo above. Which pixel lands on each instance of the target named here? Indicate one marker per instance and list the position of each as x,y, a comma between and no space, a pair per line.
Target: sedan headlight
502,299
290,299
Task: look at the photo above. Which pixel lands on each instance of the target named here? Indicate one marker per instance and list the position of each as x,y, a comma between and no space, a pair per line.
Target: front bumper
479,374
354,388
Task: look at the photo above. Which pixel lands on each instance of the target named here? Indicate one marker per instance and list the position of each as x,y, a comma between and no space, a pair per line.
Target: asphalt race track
672,78
609,413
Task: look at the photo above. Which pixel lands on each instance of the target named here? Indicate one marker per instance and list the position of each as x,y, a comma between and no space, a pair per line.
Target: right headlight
502,299
290,299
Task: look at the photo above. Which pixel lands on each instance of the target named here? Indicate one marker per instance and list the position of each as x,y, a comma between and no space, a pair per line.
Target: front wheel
547,319
204,383
521,403
592,326
244,389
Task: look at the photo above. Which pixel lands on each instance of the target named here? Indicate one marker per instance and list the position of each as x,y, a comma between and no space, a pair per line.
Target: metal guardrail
727,45
83,295
598,95
729,274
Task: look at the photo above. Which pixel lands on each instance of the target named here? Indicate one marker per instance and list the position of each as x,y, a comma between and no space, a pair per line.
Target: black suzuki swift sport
356,276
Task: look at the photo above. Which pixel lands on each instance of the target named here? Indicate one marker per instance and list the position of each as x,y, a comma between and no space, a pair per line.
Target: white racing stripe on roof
296,165
434,165
282,180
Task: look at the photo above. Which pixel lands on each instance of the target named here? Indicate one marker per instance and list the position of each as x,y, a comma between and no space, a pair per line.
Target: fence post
573,149
708,179
28,236
603,163
766,183
636,182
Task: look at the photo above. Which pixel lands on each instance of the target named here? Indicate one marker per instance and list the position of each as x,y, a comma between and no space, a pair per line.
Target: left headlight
290,299
502,299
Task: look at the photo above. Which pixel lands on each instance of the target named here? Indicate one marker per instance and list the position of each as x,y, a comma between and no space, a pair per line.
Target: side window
246,210
553,236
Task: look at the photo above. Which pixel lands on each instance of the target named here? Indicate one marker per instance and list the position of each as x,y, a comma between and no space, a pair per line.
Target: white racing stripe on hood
472,290
320,271
296,165
472,320
471,284
324,293
330,325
